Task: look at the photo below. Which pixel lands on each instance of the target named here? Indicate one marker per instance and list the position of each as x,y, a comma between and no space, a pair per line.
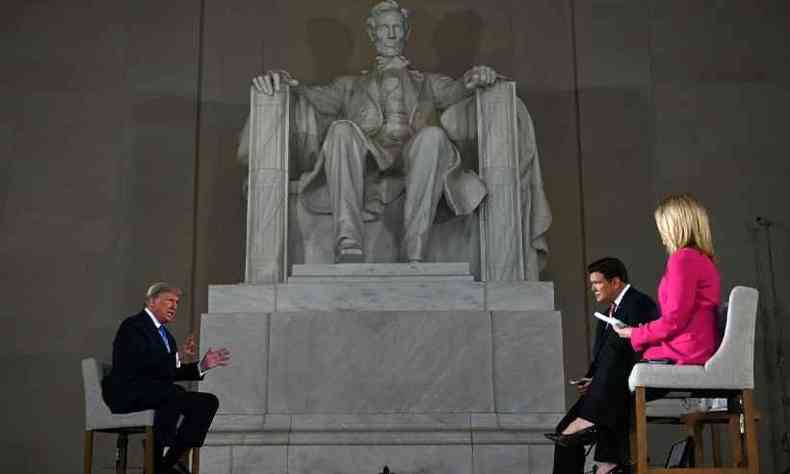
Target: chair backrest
97,414
735,356
721,320
95,408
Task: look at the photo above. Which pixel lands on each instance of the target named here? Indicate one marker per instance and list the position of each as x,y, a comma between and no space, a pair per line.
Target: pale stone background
117,140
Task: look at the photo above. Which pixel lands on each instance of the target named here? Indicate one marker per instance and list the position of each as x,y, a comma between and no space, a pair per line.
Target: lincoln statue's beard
389,48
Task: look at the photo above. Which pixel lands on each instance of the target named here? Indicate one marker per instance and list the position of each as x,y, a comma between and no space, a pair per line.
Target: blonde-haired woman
689,293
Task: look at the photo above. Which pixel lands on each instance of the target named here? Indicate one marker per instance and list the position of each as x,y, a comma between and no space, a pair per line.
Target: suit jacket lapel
412,82
605,330
372,88
412,85
622,312
364,108
153,333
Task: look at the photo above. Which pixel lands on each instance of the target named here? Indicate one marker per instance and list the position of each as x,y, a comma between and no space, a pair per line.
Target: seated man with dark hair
146,364
601,414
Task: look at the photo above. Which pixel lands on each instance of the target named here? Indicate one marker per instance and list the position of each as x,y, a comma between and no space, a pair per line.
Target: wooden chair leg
750,433
195,460
632,442
715,445
150,448
696,429
736,440
640,427
88,459
120,454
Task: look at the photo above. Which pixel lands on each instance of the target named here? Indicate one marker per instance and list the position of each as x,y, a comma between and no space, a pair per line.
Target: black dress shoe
552,436
620,469
179,468
583,437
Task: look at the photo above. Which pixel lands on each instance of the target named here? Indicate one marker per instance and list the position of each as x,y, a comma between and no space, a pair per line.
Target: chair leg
88,460
696,429
195,460
736,440
750,433
715,445
150,448
640,427
120,455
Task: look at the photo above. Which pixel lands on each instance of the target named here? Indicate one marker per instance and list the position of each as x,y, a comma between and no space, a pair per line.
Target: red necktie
612,309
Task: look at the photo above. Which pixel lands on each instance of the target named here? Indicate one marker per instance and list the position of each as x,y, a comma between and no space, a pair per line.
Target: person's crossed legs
197,409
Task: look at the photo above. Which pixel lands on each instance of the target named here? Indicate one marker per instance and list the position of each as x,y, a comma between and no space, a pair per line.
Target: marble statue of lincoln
384,139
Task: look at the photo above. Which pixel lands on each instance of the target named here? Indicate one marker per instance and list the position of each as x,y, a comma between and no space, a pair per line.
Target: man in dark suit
146,363
601,414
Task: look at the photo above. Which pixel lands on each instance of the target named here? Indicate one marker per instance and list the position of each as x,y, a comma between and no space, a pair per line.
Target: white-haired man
146,363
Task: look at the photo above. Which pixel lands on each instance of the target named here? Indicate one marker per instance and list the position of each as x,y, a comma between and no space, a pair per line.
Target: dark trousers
607,403
612,446
196,408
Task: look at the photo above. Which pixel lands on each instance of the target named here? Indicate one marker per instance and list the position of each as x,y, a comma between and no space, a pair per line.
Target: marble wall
425,361
421,389
97,170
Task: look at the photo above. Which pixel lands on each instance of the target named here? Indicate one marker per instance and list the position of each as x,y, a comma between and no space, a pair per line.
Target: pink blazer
689,295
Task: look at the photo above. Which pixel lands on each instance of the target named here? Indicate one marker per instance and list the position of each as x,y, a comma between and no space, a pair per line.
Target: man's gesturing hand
214,358
189,347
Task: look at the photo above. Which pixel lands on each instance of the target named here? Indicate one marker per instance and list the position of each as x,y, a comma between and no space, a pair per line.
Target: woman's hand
623,331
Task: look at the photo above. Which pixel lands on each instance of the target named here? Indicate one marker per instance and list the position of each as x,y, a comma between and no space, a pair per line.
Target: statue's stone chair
501,240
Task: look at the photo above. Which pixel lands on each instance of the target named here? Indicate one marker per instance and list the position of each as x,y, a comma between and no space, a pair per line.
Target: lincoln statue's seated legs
425,163
345,150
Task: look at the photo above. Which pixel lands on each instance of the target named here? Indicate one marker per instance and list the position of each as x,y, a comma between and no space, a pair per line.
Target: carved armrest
488,124
501,233
267,201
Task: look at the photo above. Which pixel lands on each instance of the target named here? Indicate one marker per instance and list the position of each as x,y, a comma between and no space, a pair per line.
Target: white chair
729,373
98,417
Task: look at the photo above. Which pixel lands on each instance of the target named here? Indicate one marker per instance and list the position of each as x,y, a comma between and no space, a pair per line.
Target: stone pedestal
347,368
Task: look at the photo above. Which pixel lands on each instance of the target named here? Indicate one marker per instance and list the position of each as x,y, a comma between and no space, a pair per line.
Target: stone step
366,429
381,271
404,422
377,278
355,293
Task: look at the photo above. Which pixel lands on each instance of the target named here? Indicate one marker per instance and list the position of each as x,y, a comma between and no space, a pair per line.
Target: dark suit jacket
635,308
143,371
